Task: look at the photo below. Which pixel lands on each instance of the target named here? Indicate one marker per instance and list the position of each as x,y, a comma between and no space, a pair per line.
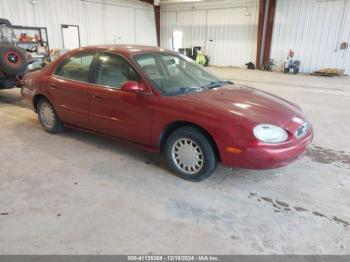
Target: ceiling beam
156,7
265,29
151,2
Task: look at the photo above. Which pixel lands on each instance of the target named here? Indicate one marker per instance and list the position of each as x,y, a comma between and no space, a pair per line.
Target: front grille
302,130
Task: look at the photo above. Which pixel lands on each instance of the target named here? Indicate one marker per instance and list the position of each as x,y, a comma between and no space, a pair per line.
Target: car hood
247,103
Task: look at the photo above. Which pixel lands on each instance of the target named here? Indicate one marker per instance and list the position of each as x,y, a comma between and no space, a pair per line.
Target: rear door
115,112
69,88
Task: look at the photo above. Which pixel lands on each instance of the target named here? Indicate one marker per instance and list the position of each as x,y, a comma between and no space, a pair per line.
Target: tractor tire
12,60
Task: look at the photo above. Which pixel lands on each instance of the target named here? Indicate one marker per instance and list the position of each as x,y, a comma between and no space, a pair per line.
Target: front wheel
191,154
48,117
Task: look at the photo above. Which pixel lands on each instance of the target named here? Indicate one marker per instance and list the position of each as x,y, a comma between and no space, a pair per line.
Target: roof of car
129,49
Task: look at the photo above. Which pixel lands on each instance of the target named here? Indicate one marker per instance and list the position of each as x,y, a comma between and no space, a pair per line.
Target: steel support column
265,29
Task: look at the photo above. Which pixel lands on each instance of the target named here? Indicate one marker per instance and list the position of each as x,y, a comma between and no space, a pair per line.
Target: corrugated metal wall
228,30
191,23
234,36
314,29
100,21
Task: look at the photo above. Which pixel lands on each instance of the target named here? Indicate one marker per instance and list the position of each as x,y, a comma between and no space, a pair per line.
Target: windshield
174,74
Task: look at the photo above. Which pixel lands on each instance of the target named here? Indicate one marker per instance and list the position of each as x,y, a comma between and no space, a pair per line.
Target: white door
177,40
70,35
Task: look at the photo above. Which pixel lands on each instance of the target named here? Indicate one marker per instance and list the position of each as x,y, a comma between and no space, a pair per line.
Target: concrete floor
76,193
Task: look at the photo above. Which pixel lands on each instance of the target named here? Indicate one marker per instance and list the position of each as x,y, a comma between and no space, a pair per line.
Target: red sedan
164,102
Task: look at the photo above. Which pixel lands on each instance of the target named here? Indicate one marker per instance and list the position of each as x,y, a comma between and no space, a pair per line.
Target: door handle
97,96
53,86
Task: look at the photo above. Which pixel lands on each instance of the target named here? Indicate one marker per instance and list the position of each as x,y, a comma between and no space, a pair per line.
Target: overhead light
34,2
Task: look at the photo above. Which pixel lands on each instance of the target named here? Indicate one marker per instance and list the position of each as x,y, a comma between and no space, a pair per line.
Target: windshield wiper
183,90
214,84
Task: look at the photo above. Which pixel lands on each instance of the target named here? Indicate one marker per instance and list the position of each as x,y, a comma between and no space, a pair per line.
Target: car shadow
62,146
12,97
99,142
115,146
157,160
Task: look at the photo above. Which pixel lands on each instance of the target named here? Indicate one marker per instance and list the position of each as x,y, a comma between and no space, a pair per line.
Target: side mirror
132,86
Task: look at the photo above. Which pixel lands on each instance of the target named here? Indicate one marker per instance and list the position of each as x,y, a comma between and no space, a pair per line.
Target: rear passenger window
76,67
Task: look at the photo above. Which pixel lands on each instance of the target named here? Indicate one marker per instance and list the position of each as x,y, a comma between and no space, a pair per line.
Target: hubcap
47,115
187,156
12,57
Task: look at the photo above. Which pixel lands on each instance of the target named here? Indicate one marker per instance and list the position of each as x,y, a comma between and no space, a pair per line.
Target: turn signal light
233,150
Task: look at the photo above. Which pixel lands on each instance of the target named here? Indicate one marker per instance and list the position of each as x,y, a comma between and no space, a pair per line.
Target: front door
69,88
115,112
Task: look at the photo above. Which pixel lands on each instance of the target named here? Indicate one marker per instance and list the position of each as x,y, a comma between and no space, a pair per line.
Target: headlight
270,133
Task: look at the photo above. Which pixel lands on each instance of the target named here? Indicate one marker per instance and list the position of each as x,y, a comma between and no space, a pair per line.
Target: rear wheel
191,154
48,117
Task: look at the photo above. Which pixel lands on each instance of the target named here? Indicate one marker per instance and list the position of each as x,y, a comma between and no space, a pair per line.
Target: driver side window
112,71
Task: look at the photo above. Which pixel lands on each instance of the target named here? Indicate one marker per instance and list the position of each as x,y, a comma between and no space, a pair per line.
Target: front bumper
263,156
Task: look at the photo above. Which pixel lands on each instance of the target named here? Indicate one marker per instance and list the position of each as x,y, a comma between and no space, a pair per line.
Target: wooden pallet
330,72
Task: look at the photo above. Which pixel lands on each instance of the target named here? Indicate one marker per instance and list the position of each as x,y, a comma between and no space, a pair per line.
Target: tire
182,148
12,60
48,117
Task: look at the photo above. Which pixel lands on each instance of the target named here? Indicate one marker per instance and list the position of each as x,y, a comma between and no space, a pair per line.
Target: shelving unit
31,32
41,42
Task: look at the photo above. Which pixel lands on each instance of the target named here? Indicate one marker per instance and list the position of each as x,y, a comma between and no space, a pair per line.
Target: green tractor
13,60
